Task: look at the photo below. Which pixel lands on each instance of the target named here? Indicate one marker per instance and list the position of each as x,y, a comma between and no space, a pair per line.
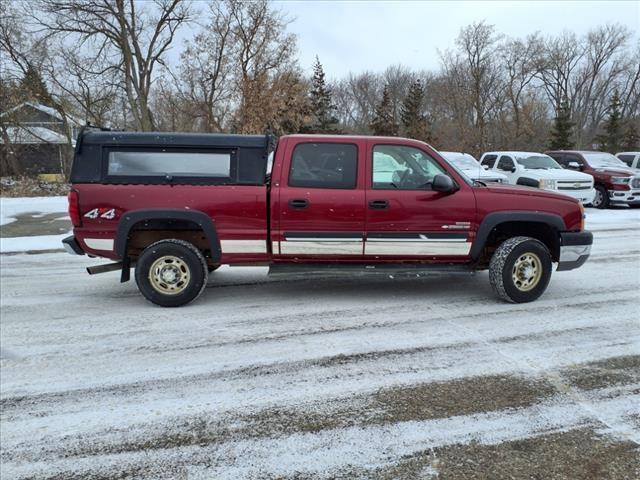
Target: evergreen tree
34,88
562,128
631,137
383,123
415,123
322,108
611,140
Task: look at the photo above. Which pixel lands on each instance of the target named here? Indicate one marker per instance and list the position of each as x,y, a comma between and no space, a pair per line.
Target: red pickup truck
176,206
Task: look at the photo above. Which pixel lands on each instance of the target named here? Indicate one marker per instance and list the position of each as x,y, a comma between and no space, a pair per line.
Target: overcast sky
371,35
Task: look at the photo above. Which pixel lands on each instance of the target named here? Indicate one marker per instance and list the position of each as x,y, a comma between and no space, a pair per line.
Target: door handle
379,204
299,203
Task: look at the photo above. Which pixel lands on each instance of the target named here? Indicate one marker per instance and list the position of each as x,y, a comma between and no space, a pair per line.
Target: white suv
534,169
630,158
472,168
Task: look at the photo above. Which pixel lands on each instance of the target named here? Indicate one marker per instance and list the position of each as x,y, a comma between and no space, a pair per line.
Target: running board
289,269
108,267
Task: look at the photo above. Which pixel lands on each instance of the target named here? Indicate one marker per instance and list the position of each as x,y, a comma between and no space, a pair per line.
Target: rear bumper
575,248
71,245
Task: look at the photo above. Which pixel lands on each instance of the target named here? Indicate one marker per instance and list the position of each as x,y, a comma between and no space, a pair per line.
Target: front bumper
575,248
71,245
625,197
583,196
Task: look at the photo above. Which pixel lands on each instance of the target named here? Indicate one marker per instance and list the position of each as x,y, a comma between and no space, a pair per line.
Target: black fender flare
494,219
528,182
129,219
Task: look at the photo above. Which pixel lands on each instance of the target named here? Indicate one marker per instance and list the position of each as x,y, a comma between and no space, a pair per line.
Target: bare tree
520,61
478,46
356,97
205,80
133,35
597,78
265,52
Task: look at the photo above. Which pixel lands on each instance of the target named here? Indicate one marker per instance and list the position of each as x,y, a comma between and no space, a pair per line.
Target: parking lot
325,378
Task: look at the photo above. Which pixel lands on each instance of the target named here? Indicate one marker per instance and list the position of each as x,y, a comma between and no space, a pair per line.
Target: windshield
463,161
603,160
538,162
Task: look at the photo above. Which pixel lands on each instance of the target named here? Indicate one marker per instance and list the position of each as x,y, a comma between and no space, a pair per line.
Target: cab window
505,163
324,165
398,167
628,159
488,160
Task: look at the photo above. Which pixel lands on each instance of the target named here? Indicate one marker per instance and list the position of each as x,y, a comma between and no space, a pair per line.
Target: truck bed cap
99,137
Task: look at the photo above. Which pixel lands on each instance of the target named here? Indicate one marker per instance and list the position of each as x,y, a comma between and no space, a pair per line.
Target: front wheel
601,200
520,269
171,273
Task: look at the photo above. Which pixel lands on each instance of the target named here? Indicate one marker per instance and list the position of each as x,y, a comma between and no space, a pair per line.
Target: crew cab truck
542,171
176,206
615,182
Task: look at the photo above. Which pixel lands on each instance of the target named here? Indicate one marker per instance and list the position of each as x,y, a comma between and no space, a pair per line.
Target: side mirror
486,167
574,165
513,170
443,183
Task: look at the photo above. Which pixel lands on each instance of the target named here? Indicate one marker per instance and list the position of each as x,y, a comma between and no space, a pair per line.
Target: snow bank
10,208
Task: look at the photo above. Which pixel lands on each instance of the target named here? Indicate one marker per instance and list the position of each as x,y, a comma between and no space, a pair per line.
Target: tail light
74,208
582,216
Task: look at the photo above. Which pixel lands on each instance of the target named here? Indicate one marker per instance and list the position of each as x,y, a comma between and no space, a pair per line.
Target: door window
488,160
398,167
324,165
628,159
505,163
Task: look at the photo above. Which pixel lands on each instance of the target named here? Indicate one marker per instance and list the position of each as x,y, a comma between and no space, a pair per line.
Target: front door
507,166
321,205
406,219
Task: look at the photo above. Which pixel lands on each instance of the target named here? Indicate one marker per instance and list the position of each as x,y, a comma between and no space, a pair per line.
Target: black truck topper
249,154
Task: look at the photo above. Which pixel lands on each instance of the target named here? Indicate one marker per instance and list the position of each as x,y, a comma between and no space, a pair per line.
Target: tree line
108,62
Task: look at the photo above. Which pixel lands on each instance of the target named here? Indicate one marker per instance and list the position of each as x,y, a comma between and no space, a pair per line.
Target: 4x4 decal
107,213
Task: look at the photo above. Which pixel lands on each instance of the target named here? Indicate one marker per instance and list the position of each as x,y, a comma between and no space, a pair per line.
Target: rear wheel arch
499,226
177,220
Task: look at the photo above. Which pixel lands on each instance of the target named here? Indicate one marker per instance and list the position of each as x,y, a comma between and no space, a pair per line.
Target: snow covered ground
323,378
11,208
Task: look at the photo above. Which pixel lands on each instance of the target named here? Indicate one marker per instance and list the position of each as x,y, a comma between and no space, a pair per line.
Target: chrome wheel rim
169,275
526,272
597,201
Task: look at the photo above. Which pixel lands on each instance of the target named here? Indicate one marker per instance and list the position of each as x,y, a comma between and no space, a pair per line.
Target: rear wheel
601,200
520,269
171,273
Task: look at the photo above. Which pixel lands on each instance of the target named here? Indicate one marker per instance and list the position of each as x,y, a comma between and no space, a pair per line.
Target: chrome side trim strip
325,247
99,243
408,248
243,246
422,239
322,239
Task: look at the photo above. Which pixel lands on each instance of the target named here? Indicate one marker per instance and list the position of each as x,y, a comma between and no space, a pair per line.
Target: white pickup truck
472,168
534,169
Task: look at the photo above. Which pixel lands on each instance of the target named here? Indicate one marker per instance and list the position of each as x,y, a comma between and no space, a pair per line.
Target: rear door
406,219
321,200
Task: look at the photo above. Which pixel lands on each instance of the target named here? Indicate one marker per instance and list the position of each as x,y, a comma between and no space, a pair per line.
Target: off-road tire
604,203
501,269
187,253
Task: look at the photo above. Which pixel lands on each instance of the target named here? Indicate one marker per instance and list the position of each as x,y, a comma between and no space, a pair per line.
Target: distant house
36,139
